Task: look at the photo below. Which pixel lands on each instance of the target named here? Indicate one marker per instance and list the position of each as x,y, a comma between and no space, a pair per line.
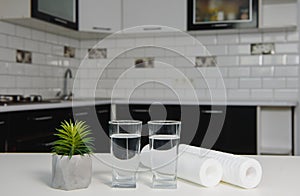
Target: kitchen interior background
246,76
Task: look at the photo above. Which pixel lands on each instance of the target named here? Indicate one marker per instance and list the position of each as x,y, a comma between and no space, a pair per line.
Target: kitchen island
30,174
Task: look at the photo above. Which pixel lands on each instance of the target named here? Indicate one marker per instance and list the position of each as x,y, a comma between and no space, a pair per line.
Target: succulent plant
73,139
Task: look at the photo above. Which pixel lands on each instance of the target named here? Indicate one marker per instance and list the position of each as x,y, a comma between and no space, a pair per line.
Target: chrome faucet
66,95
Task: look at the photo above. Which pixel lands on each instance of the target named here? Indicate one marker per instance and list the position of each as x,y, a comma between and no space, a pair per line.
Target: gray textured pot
70,174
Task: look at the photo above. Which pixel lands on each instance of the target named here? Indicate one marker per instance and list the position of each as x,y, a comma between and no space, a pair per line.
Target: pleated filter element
237,170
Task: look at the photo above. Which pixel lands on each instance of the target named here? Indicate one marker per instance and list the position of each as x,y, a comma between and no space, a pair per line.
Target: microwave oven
222,14
60,12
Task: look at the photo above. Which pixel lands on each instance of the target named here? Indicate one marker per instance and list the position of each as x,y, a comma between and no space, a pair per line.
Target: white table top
30,174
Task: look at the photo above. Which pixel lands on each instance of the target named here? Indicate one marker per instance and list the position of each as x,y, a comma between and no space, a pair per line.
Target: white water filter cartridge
237,170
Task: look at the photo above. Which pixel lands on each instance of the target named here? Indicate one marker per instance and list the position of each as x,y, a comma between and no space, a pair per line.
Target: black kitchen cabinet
4,127
226,128
35,129
97,119
237,134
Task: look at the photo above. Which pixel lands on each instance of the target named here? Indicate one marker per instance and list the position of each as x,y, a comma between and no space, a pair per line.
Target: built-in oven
222,14
61,12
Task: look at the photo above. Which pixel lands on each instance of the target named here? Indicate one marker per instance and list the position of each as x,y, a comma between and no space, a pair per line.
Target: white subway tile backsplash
144,41
8,55
246,77
126,42
38,35
250,38
164,41
3,40
227,39
274,59
292,59
251,60
274,37
286,94
15,42
196,51
206,39
51,38
262,94
229,83
248,83
7,81
238,49
39,59
7,28
286,71
292,36
31,45
292,83
286,48
274,83
185,40
44,47
23,32
238,94
239,72
227,60
57,50
262,71
217,50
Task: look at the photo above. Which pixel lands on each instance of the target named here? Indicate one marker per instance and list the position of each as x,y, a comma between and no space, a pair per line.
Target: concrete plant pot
69,174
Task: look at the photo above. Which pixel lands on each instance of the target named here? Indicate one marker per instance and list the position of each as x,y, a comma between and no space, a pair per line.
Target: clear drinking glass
164,136
125,149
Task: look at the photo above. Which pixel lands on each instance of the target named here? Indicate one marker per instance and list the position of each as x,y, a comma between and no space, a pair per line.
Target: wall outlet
147,62
262,48
206,61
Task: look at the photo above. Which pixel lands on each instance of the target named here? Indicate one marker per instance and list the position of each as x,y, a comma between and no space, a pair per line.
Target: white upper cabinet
170,13
100,15
278,13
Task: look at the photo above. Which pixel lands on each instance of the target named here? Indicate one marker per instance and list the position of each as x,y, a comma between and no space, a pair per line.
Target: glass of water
164,136
125,149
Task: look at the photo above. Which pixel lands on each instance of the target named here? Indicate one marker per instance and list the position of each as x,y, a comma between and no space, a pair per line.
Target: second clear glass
164,137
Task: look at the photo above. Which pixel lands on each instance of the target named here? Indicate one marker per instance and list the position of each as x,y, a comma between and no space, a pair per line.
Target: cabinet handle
221,25
2,122
60,20
48,144
102,28
152,28
102,111
43,118
212,111
81,114
140,110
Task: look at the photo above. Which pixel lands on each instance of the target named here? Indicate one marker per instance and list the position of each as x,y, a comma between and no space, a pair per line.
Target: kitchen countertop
30,174
100,101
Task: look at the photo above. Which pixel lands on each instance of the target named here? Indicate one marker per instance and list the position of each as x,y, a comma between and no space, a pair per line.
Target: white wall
44,76
246,76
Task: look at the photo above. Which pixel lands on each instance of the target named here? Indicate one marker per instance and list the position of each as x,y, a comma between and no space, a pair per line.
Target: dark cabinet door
97,119
230,129
226,128
4,126
240,130
34,130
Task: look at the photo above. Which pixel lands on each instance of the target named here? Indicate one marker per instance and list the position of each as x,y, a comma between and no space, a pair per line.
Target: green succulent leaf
73,139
